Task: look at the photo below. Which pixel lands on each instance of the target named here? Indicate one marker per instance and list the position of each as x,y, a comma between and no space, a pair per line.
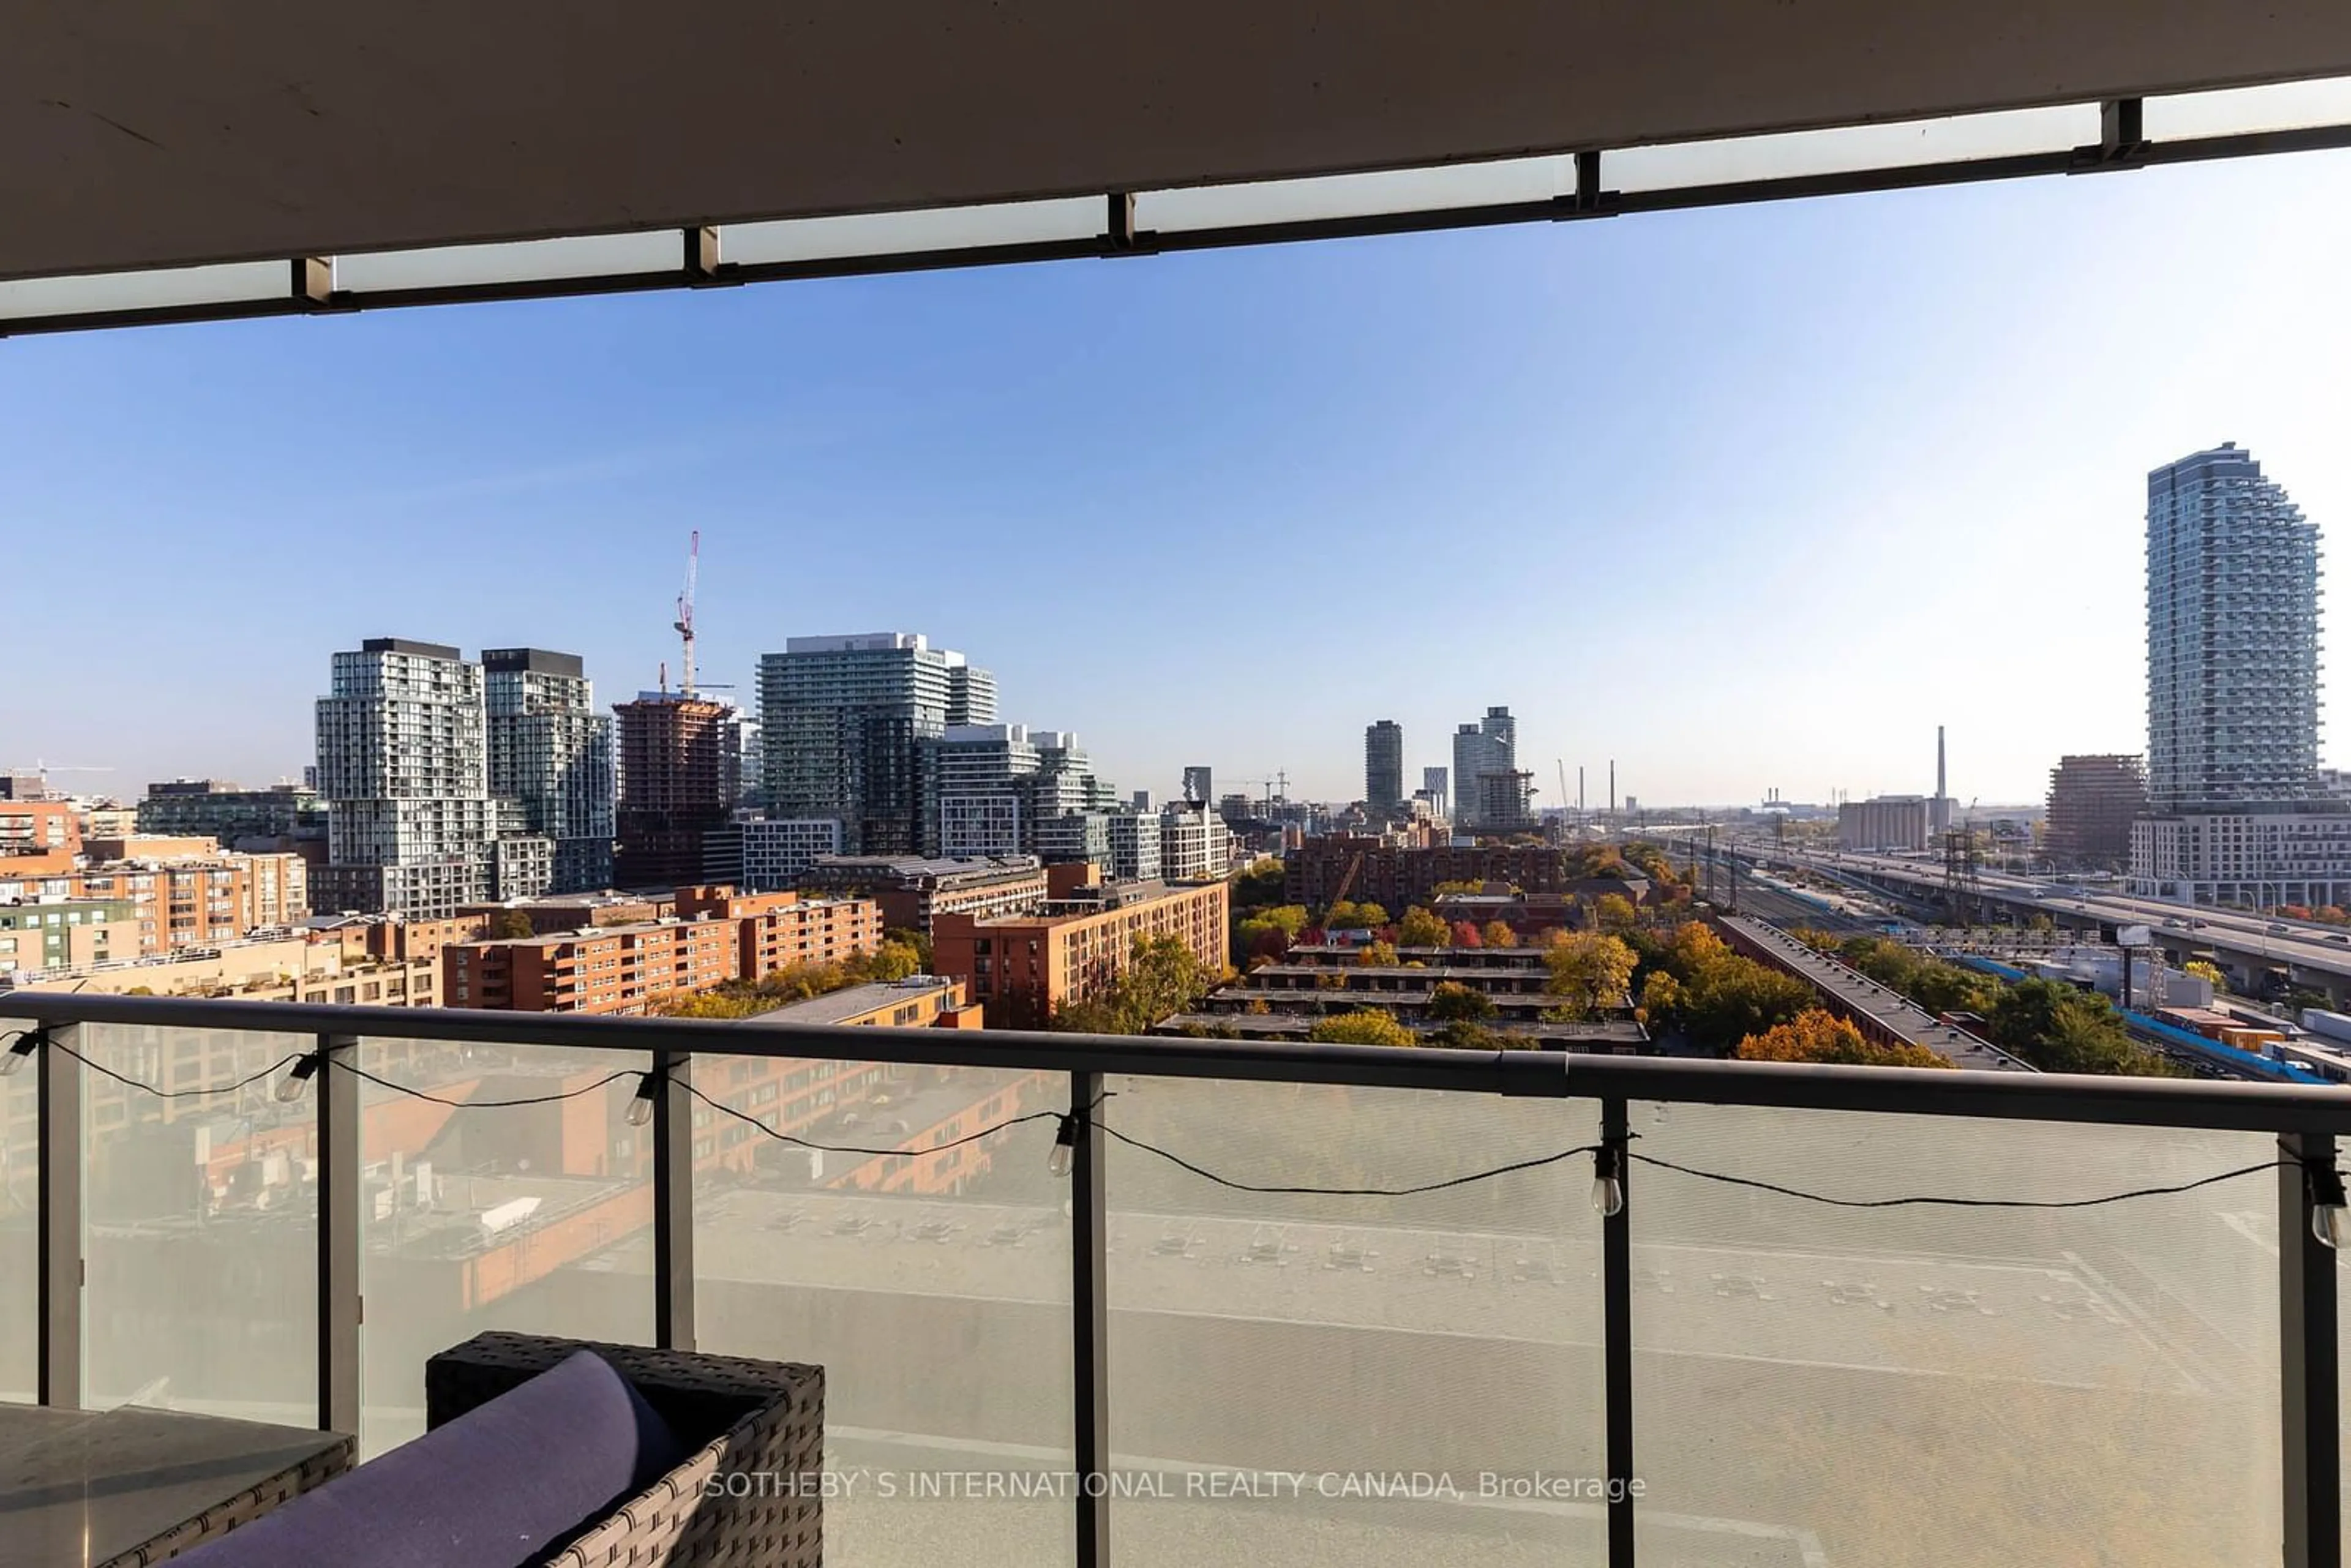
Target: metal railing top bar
2042,1097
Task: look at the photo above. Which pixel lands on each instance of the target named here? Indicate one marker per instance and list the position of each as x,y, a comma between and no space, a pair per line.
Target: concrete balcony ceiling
154,135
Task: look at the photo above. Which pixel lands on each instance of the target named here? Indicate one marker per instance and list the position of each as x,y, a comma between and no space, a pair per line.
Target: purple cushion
500,1486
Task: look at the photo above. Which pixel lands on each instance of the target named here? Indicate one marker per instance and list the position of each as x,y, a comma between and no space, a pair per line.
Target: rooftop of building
839,1007
914,868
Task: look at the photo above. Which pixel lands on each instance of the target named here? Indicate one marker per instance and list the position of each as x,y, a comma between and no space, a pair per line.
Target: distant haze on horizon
1745,499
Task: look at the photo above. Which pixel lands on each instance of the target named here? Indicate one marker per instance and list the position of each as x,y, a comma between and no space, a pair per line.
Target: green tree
1162,978
920,941
1364,1026
1734,997
1496,934
2060,1029
1420,929
1270,932
1591,972
508,925
1260,886
1452,1001
1345,916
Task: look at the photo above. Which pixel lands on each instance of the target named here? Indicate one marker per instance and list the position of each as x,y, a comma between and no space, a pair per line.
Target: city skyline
938,455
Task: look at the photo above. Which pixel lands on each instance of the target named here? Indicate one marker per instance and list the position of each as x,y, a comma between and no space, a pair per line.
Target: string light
20,1051
2330,1216
296,1081
2330,1220
1608,1180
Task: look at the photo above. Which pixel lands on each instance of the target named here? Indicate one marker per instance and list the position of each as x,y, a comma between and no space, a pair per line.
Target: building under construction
676,756
2092,800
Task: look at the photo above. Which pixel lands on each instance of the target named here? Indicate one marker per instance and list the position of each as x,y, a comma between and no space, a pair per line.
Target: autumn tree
892,960
1445,889
2202,969
1347,915
1466,934
1591,972
1364,1026
1818,1035
1376,954
1420,929
1270,932
1614,912
1661,1000
1497,934
1452,1001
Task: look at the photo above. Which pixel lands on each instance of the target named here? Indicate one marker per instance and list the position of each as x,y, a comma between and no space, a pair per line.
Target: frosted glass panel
1850,149
1414,1366
1934,1385
932,1285
2285,106
200,1229
521,1217
1356,195
19,1221
897,234
656,250
145,290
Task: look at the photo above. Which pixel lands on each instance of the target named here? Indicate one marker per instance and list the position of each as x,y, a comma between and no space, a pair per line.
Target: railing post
1616,1338
2309,1392
339,1308
672,1201
1090,1322
60,1167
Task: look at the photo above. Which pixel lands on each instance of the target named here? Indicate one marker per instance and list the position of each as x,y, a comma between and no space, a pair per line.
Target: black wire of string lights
2331,1216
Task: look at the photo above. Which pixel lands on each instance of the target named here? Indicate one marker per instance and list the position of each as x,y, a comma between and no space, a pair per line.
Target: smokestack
1578,790
1940,790
1612,786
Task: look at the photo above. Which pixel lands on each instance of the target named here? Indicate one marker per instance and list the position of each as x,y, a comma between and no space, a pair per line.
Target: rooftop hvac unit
507,1216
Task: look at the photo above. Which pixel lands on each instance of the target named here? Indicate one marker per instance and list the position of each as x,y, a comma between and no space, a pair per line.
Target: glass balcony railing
1252,1311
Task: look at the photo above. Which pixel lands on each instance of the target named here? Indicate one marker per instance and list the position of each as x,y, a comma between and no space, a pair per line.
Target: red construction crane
684,624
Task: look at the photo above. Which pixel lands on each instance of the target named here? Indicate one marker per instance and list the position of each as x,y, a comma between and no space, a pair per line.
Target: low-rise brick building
1025,968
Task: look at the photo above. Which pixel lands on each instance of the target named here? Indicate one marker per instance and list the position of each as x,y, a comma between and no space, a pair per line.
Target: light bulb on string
20,1051
1065,1147
1608,1181
641,1109
296,1081
2330,1217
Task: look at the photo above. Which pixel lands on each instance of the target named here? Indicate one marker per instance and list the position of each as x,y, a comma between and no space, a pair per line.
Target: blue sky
1741,499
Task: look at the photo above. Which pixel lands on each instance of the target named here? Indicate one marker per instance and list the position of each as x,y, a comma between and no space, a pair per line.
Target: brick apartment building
718,935
1395,878
1024,967
783,929
180,899
38,837
611,969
